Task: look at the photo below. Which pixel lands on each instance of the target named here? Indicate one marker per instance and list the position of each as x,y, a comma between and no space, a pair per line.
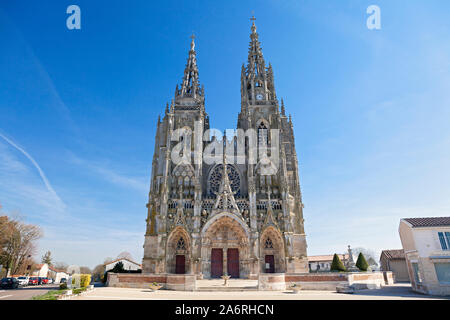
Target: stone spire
225,196
190,86
257,80
283,109
256,64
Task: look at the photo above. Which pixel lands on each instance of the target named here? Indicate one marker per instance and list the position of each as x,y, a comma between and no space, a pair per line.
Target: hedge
85,279
361,263
337,264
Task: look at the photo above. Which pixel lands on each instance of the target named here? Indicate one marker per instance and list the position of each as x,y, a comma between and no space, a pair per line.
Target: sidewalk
394,292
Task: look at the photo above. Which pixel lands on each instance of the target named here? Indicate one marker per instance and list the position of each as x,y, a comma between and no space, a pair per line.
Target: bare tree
369,254
108,260
98,272
18,243
125,255
60,266
47,258
85,270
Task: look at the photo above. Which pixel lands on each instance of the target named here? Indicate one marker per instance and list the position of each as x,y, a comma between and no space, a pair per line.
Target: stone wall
271,282
330,280
183,282
266,281
317,281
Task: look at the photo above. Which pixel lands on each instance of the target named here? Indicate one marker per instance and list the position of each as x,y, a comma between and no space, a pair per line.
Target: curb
71,296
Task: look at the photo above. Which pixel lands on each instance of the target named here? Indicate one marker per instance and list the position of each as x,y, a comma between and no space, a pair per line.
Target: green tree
337,264
47,258
361,263
118,268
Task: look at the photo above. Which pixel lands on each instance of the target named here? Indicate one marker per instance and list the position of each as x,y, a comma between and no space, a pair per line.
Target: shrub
361,263
337,264
105,277
85,279
63,286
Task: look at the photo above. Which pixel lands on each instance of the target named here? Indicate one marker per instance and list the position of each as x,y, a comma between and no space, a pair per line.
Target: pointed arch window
268,244
263,137
180,244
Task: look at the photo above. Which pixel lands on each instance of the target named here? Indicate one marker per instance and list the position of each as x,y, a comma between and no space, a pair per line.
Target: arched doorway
178,251
225,247
272,251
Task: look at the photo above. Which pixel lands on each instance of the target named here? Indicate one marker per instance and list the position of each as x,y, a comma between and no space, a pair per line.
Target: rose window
215,179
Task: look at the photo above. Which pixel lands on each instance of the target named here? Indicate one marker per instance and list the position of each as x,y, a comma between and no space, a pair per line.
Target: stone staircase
233,285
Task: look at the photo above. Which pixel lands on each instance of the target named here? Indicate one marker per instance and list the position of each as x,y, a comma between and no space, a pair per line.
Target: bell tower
257,86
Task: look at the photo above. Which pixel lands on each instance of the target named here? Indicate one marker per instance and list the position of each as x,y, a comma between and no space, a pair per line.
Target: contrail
41,173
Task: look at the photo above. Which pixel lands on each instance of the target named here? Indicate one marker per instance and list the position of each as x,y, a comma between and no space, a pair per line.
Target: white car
50,281
23,281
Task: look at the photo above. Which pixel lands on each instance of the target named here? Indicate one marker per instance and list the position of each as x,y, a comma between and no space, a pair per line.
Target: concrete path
395,292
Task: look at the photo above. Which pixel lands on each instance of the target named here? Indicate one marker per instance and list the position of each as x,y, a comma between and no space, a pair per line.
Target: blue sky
371,111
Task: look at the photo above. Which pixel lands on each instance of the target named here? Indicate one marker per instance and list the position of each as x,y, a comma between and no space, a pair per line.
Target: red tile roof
56,270
393,254
123,259
429,222
323,258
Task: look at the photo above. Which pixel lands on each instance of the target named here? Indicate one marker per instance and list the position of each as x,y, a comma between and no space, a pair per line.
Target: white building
46,271
41,270
426,243
323,262
127,265
56,274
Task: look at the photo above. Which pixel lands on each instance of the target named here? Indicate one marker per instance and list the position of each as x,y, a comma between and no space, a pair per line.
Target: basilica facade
239,218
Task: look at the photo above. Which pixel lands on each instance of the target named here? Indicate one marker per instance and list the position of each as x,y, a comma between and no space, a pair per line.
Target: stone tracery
215,178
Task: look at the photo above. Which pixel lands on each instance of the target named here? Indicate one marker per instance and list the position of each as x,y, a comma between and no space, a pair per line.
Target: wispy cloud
36,165
14,173
100,168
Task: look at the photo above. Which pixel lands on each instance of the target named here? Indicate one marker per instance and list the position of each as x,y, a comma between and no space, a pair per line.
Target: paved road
25,293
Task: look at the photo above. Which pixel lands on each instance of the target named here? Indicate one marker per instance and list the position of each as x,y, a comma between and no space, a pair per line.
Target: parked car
63,280
44,280
9,283
50,281
23,281
33,281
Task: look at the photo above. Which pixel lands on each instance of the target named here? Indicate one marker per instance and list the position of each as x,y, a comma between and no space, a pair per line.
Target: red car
33,281
44,280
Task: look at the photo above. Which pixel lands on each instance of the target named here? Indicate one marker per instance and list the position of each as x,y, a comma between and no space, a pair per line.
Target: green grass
51,295
78,290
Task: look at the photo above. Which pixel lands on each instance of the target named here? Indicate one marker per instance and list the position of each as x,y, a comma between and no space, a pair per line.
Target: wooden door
233,263
216,263
180,267
270,264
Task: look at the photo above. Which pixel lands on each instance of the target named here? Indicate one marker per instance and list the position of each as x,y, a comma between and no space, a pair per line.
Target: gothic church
225,218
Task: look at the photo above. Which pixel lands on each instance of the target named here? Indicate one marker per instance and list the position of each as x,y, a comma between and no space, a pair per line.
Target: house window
444,239
443,272
417,275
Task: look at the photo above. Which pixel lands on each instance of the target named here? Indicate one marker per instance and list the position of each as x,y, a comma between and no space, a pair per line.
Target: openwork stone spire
225,196
257,80
190,87
256,64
